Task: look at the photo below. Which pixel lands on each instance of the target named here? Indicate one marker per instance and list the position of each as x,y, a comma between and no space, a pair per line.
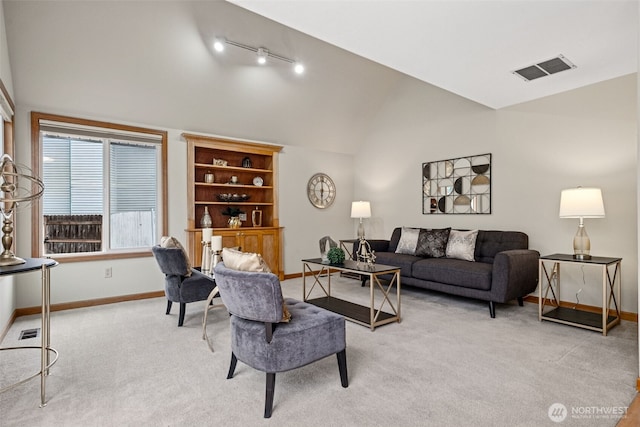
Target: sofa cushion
408,241
475,275
462,245
489,243
432,243
403,261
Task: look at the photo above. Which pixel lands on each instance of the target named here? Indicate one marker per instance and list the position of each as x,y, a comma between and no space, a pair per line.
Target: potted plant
335,256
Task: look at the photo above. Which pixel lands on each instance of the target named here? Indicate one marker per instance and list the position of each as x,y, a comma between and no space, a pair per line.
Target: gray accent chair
260,340
178,287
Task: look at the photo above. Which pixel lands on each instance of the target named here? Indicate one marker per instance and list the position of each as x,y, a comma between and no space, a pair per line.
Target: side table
33,264
611,293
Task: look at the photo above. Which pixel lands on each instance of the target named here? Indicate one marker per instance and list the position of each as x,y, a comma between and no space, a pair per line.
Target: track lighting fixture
263,53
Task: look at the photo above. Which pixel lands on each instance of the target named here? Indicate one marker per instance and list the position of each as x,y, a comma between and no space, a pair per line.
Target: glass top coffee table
370,316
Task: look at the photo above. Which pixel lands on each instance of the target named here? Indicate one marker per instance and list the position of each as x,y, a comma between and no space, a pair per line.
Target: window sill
96,256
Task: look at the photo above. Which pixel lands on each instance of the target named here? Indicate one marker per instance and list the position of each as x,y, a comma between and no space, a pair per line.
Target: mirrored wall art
457,186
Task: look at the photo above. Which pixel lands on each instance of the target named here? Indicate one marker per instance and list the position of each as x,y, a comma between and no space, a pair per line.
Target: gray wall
585,137
368,127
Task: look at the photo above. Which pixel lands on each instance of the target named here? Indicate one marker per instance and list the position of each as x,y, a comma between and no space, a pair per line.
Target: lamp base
581,243
10,259
360,230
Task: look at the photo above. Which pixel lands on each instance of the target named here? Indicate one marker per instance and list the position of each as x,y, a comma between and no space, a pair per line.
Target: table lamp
581,203
360,210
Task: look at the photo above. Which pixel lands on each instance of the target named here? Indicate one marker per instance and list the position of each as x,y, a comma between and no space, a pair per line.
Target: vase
234,222
256,217
206,221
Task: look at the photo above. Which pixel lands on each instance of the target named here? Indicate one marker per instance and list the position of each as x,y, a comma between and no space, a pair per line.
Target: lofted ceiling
471,48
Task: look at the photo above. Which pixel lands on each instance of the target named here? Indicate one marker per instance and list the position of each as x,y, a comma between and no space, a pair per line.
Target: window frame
37,248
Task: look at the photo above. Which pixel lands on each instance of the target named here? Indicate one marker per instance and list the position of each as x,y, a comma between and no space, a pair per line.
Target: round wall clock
321,190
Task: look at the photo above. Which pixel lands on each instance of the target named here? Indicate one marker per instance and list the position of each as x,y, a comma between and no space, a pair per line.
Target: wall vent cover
29,333
545,68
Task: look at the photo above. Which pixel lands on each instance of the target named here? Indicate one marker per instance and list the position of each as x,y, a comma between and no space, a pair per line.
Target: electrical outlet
107,273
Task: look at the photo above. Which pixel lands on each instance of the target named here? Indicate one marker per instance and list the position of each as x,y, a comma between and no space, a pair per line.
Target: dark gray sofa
504,268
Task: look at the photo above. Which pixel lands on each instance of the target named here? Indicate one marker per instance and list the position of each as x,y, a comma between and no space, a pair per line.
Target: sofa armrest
515,274
377,245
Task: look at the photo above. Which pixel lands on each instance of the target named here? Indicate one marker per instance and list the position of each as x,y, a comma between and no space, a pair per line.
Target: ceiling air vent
545,68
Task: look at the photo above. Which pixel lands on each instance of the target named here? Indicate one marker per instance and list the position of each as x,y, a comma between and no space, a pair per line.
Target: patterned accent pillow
408,241
172,242
432,243
462,245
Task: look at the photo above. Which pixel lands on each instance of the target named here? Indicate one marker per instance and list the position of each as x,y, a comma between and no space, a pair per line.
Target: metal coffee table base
371,316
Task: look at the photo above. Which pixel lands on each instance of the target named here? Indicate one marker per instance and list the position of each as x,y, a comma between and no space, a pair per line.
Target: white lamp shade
360,209
581,203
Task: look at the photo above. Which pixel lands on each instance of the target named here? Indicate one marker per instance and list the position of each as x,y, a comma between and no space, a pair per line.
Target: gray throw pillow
462,245
432,243
408,241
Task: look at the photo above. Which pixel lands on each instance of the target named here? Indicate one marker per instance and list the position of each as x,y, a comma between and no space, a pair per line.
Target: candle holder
216,252
215,259
206,257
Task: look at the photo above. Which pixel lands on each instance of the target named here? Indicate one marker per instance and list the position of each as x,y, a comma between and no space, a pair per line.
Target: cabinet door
250,241
230,239
271,250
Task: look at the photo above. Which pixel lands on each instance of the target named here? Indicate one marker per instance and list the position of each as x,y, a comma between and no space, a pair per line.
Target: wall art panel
457,186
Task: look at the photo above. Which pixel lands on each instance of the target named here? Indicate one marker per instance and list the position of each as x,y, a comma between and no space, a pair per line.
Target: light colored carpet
446,364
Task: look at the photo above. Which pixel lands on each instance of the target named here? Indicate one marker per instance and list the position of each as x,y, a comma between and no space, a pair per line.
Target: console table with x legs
370,316
611,290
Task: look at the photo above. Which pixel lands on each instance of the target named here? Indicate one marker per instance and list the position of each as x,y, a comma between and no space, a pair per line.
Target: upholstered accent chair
261,340
182,283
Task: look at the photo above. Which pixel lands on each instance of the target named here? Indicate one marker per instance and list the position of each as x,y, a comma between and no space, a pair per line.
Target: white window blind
95,171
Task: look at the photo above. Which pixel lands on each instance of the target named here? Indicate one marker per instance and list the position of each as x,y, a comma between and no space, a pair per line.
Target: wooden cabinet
264,241
255,167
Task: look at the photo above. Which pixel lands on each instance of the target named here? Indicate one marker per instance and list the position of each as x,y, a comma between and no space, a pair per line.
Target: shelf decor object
581,203
457,186
205,222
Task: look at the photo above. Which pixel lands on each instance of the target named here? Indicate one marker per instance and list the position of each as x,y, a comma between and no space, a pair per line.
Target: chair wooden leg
271,385
232,366
183,309
342,366
168,307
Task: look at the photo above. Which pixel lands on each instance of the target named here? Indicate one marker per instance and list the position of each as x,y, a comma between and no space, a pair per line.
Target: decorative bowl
228,197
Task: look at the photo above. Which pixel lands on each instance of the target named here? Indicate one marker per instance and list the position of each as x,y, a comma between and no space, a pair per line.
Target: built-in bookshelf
245,179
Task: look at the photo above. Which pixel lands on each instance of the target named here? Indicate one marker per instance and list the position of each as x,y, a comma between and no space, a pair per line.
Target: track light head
262,55
218,44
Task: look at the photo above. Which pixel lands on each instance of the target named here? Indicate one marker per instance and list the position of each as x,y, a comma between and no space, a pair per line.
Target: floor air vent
29,333
544,68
